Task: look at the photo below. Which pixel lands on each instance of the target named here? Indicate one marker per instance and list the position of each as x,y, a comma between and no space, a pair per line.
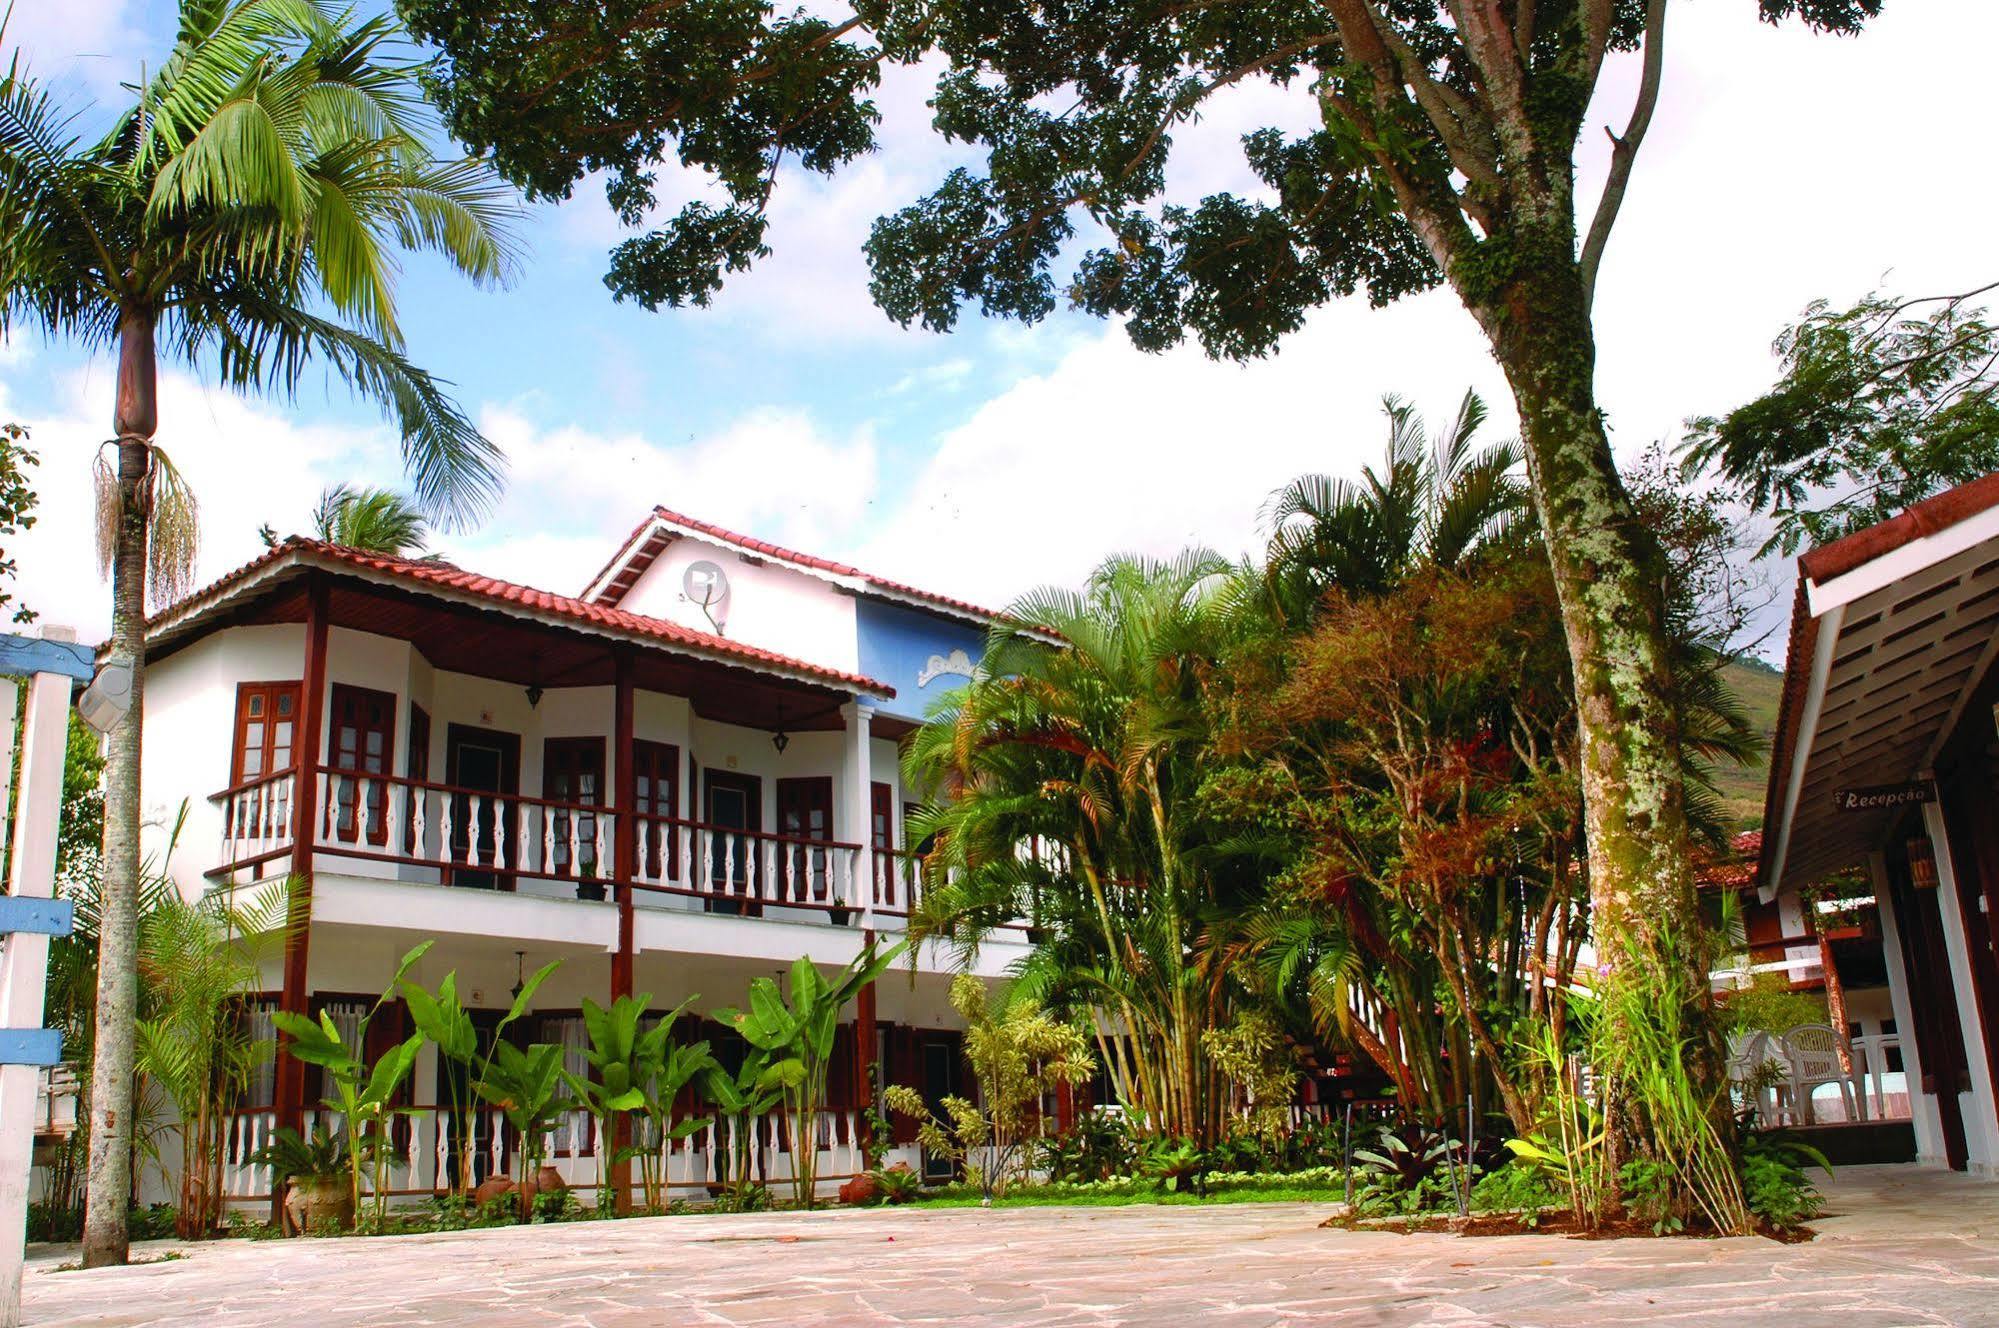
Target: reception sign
1877,796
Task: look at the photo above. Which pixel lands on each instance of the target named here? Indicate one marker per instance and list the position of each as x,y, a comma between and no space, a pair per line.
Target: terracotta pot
491,1188
547,1181
310,1205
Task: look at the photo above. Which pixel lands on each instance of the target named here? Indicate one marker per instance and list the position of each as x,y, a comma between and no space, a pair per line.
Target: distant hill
1760,688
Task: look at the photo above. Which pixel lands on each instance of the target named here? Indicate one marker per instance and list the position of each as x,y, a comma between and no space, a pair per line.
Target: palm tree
1063,781
243,217
1432,504
373,520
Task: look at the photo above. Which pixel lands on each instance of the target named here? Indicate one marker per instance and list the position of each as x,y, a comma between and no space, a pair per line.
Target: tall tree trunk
105,1239
1610,578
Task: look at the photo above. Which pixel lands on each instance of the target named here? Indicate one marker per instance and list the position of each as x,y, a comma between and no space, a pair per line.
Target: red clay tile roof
445,576
1733,870
765,548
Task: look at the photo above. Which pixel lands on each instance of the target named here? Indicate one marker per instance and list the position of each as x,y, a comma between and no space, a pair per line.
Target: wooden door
732,803
656,795
483,768
804,811
572,771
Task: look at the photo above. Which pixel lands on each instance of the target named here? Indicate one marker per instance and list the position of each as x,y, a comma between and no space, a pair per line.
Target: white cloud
1113,450
89,45
948,376
248,463
572,494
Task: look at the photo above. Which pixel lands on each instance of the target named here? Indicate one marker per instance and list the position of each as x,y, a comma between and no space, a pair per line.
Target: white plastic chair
1748,1054
1813,1053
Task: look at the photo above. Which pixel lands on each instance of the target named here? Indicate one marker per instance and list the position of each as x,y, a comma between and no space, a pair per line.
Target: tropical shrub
1259,1064
442,1019
896,1184
1176,1164
194,1048
637,1070
526,1085
1096,1146
362,1094
1517,1187
1776,1178
1018,1053
741,1100
1064,783
320,1157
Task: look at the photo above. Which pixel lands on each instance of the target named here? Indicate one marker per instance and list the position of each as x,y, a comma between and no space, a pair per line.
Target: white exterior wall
190,708
770,605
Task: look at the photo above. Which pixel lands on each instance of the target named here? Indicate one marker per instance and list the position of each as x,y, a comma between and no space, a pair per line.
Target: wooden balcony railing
480,838
426,1154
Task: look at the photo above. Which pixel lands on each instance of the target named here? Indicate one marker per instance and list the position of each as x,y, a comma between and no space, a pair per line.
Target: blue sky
1781,168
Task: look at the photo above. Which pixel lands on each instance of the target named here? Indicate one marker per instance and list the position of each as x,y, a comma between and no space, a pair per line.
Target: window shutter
840,1094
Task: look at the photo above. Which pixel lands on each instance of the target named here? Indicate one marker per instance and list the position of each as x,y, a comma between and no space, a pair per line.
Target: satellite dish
706,585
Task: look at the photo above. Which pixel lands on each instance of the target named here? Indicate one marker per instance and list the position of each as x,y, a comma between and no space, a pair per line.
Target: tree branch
1449,112
1624,151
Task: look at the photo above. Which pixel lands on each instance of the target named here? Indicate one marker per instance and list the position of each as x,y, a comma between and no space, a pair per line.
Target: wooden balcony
441,834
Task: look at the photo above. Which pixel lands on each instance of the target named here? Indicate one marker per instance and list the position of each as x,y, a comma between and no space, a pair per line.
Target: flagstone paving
1904,1246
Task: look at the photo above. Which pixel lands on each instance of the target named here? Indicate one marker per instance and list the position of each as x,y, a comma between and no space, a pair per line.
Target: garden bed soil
1551,1223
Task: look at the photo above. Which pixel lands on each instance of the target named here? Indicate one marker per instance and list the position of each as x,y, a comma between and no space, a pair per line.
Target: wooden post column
625,866
290,1086
866,1052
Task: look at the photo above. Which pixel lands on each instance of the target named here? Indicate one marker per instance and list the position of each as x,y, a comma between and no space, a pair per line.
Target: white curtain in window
347,1017
263,1087
572,1134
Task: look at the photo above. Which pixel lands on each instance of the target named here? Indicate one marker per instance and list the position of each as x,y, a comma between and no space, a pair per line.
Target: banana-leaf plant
669,1068
442,1018
744,1097
634,1071
527,1087
362,1094
803,1028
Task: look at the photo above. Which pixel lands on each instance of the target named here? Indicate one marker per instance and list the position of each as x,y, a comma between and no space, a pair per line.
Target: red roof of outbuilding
444,576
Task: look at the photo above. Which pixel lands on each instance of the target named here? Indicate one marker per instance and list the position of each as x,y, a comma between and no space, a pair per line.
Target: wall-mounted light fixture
534,695
780,739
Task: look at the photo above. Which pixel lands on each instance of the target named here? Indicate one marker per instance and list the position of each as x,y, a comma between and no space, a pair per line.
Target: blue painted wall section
920,655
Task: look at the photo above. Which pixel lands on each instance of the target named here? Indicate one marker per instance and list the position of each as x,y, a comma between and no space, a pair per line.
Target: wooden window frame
267,747
881,840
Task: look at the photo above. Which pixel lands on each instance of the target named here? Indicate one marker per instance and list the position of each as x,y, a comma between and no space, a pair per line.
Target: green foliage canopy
1879,406
1075,106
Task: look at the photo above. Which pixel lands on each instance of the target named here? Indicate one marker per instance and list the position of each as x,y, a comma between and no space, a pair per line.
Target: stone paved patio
1905,1247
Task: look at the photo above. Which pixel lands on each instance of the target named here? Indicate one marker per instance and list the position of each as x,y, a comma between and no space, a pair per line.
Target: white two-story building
677,780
